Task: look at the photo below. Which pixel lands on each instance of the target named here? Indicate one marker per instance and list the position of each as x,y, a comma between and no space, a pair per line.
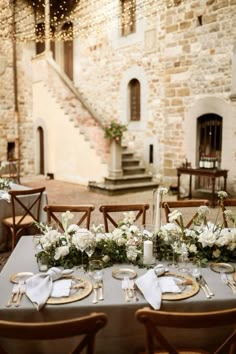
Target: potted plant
114,130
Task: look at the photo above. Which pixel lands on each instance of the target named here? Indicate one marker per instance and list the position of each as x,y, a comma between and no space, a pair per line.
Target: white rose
81,238
207,238
61,252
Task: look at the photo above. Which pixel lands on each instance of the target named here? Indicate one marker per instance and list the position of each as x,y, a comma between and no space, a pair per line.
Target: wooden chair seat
26,208
112,213
179,204
82,214
86,328
154,322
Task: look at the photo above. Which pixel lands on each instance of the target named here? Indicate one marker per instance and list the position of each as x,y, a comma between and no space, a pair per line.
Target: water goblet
96,269
184,259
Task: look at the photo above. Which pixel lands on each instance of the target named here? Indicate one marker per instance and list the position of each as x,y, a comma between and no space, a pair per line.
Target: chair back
11,170
153,321
224,204
178,204
87,326
82,214
112,213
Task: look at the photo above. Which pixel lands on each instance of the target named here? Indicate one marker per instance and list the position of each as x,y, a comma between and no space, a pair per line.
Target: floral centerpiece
66,249
114,130
204,242
5,183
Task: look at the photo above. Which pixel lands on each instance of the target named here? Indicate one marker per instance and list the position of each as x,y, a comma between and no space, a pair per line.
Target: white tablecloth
123,334
6,209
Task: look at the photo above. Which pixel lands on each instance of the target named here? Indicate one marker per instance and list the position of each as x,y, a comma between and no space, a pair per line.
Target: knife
206,285
202,286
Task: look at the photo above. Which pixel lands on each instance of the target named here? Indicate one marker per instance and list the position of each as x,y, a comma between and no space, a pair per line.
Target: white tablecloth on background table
6,209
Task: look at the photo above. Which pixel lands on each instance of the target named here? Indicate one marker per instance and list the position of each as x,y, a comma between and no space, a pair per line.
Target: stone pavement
70,193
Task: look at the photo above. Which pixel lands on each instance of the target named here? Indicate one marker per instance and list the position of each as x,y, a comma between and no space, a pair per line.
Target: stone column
47,25
115,169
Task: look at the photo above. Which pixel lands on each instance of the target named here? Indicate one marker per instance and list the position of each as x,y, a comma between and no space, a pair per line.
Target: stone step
121,189
142,178
130,162
132,170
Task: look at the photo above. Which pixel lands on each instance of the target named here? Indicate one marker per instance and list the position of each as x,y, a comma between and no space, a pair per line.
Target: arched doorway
41,150
210,140
68,51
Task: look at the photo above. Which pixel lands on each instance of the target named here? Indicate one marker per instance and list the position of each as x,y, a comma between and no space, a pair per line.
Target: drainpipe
16,108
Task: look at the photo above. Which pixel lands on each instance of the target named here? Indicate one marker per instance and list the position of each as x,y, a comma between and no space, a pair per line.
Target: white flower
81,238
174,215
106,259
132,253
162,191
203,211
61,252
216,253
129,217
222,194
73,228
193,249
207,238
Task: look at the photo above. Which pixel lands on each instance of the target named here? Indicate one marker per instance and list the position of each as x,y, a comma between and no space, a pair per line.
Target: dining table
6,209
122,334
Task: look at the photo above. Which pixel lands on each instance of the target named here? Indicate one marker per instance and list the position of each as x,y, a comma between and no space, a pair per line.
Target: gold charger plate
22,276
120,273
188,285
222,268
76,293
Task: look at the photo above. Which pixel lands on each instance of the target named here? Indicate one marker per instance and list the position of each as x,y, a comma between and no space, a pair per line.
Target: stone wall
182,57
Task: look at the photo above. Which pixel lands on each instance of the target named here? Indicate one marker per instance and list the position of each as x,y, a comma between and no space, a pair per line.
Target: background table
123,334
202,172
6,210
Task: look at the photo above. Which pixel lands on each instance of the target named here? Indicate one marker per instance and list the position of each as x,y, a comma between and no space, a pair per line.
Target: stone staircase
134,178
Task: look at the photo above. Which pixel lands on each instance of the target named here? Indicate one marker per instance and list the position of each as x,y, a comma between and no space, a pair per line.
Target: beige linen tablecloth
123,334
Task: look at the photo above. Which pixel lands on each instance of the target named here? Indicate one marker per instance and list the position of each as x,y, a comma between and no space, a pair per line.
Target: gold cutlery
125,287
206,285
95,293
100,290
202,286
21,292
14,295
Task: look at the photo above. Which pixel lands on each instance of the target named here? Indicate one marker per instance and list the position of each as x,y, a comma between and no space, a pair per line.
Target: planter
115,168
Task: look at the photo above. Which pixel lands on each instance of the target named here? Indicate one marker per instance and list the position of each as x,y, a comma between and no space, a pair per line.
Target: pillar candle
157,223
147,252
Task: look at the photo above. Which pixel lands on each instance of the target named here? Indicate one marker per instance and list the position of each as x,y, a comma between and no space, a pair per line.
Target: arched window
128,17
134,100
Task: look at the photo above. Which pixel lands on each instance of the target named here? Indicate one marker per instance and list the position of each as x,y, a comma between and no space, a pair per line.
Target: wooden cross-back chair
83,213
178,204
226,204
153,322
87,326
139,210
26,208
11,170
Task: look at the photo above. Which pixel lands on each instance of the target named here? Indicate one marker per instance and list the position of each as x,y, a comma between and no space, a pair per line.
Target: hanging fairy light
32,13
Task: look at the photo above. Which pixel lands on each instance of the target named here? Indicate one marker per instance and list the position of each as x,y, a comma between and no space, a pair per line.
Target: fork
14,293
125,287
21,292
226,281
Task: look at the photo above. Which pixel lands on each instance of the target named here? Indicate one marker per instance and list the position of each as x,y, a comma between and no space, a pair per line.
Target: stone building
166,68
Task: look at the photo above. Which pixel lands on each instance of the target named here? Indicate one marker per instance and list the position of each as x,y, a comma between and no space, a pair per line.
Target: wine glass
184,258
96,269
90,248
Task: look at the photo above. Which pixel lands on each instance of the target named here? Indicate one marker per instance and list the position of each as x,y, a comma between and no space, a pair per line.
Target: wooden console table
205,172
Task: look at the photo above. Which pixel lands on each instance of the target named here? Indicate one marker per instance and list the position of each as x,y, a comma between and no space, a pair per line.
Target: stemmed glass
175,249
184,259
90,248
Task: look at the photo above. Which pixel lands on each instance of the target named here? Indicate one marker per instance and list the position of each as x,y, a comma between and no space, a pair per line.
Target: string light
29,22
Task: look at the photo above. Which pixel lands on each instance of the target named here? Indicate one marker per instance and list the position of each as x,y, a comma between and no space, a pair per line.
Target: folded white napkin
6,196
61,288
152,287
39,287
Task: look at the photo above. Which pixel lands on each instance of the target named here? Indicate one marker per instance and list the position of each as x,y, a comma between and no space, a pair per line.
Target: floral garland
122,245
204,242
